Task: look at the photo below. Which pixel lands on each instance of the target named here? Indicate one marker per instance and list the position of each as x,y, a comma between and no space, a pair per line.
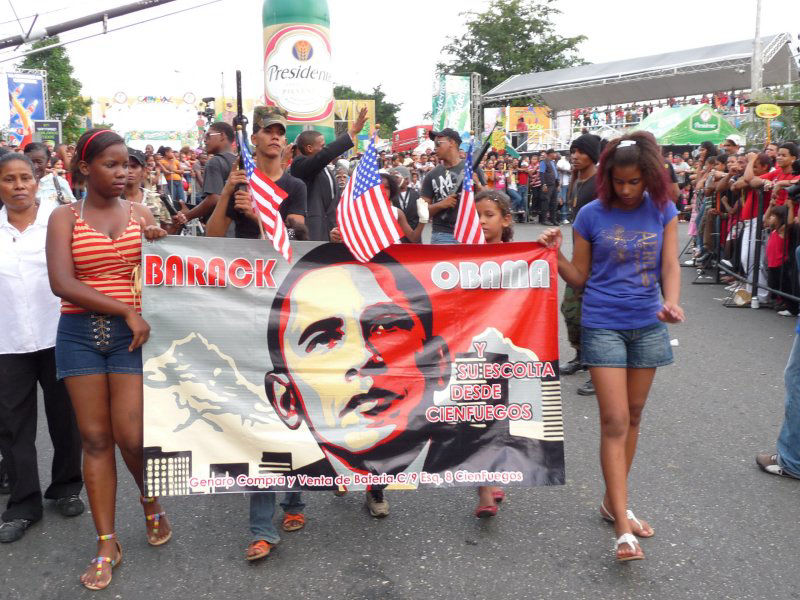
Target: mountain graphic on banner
211,388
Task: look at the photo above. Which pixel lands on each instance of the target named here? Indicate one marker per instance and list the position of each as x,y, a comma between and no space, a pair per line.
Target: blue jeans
564,204
789,438
699,221
516,200
262,509
523,193
443,237
176,190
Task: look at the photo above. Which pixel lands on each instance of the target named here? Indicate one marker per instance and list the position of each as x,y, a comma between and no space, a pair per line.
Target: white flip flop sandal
630,539
607,516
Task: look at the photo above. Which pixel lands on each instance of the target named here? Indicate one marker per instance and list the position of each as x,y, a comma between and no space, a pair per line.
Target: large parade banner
428,366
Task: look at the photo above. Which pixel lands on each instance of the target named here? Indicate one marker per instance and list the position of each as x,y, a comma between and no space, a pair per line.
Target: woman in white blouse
28,322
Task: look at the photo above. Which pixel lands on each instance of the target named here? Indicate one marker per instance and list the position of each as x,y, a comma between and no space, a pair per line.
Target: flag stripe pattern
468,225
364,215
266,198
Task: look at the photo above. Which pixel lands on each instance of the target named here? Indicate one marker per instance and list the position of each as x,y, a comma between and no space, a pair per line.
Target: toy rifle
476,160
240,125
485,148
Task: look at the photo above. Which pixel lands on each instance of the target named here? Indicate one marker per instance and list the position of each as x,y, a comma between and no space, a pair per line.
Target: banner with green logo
451,103
691,124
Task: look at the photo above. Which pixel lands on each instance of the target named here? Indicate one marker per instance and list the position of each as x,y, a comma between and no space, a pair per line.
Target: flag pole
240,138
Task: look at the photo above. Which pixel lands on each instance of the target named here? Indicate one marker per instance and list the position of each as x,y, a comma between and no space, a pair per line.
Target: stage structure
669,75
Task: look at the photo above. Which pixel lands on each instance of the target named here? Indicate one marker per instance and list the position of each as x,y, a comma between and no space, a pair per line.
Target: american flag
468,225
266,198
364,215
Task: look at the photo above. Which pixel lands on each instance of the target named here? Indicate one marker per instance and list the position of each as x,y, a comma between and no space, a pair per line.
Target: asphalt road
723,528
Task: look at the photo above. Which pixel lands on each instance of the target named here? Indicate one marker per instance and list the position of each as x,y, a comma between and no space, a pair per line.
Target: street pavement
723,528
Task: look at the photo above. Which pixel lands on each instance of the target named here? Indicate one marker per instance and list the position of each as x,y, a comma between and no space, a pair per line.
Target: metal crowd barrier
788,271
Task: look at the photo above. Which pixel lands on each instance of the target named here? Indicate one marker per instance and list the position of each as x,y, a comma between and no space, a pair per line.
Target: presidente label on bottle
297,76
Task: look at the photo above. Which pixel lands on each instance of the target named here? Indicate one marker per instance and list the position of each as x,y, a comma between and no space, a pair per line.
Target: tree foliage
63,90
385,112
508,38
785,128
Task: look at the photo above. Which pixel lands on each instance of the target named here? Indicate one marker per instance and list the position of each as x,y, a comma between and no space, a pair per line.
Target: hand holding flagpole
240,121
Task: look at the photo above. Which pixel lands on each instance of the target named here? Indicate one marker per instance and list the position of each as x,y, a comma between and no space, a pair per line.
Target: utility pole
756,68
101,17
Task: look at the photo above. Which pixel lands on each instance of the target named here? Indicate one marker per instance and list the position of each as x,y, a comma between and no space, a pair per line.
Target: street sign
768,111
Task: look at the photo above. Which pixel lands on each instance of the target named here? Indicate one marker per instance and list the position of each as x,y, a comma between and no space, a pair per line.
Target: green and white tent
684,125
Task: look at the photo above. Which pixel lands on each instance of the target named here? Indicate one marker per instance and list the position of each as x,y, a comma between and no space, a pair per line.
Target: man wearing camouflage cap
269,139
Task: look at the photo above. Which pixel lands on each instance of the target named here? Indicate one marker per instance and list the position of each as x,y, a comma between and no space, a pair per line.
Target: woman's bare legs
621,396
90,399
126,421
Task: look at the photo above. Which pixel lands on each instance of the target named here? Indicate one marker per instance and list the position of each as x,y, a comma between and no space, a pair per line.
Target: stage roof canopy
670,75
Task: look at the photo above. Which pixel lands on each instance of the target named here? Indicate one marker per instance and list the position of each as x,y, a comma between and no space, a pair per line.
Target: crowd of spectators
717,191
743,213
630,114
535,183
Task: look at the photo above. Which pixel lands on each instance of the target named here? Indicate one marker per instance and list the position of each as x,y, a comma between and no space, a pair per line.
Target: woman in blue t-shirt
625,256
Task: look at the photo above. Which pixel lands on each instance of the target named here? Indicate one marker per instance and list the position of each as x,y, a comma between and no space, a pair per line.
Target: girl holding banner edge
93,254
497,224
625,249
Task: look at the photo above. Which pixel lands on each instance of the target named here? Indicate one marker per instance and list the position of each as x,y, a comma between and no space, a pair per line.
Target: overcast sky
395,43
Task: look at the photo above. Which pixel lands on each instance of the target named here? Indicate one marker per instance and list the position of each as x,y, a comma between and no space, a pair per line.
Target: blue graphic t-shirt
623,291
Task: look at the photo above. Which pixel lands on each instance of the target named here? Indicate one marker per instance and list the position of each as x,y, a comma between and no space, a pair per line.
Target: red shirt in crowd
750,208
779,175
776,250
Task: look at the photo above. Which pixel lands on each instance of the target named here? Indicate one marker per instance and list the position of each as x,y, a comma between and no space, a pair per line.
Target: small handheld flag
467,228
364,215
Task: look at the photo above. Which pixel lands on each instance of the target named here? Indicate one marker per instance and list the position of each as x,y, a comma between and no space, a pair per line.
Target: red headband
89,141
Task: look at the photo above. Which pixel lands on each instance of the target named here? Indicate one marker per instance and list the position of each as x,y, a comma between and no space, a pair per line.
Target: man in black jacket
548,211
310,165
407,198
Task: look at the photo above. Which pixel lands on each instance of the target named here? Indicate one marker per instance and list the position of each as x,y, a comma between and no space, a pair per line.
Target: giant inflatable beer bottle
297,64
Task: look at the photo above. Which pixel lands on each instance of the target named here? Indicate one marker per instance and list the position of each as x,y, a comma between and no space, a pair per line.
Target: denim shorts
92,344
644,348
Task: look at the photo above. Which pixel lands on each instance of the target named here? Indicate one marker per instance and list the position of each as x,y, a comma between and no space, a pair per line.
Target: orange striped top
106,265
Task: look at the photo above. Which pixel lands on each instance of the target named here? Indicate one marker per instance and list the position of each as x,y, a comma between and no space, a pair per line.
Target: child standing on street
494,211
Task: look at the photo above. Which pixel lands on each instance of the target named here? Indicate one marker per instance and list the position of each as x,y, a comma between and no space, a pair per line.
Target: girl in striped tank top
93,256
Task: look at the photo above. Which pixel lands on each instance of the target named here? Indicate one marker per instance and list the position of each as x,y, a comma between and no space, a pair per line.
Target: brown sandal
260,548
100,561
155,518
293,522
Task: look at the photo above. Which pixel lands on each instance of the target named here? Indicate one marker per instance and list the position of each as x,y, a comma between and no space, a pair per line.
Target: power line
60,44
13,10
49,12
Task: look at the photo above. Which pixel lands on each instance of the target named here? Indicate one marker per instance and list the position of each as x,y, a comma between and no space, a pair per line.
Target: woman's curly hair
638,149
